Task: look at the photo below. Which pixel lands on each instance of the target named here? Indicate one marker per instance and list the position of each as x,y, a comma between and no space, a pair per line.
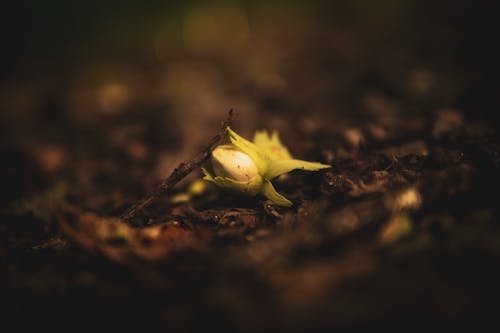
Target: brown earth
402,231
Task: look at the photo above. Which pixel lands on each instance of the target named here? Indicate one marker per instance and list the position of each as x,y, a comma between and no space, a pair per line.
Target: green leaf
248,148
269,192
271,145
279,167
250,188
208,176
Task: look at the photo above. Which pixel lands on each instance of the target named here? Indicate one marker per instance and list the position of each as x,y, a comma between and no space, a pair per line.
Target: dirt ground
400,97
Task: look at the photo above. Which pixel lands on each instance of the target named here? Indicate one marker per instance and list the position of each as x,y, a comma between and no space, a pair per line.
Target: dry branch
179,173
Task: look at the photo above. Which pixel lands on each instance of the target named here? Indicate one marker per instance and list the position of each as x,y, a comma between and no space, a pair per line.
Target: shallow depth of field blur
182,65
100,101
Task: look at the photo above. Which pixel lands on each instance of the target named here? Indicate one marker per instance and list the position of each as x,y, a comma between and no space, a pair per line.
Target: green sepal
207,174
269,192
249,148
271,145
279,167
250,188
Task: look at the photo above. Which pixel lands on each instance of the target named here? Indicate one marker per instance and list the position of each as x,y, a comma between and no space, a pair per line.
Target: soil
402,231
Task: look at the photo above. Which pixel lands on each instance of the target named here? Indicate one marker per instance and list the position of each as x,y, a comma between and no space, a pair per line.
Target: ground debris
118,241
400,99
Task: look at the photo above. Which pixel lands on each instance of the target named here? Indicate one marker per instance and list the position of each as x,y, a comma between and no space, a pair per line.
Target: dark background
99,101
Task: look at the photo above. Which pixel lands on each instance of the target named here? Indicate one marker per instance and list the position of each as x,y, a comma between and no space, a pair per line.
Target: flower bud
229,162
248,167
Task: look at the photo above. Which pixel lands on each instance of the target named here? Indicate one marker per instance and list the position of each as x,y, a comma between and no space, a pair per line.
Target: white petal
231,163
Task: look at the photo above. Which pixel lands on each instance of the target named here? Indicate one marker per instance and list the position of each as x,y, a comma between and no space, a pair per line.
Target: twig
179,173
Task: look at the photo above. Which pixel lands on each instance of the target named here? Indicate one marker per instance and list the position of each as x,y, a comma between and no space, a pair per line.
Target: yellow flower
248,167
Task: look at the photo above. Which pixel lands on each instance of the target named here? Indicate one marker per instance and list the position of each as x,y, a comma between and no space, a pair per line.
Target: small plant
248,167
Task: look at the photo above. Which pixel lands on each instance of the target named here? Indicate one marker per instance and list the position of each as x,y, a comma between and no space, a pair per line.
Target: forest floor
402,230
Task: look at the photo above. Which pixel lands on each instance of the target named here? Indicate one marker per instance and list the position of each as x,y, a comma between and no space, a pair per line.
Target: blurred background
171,69
210,55
100,100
